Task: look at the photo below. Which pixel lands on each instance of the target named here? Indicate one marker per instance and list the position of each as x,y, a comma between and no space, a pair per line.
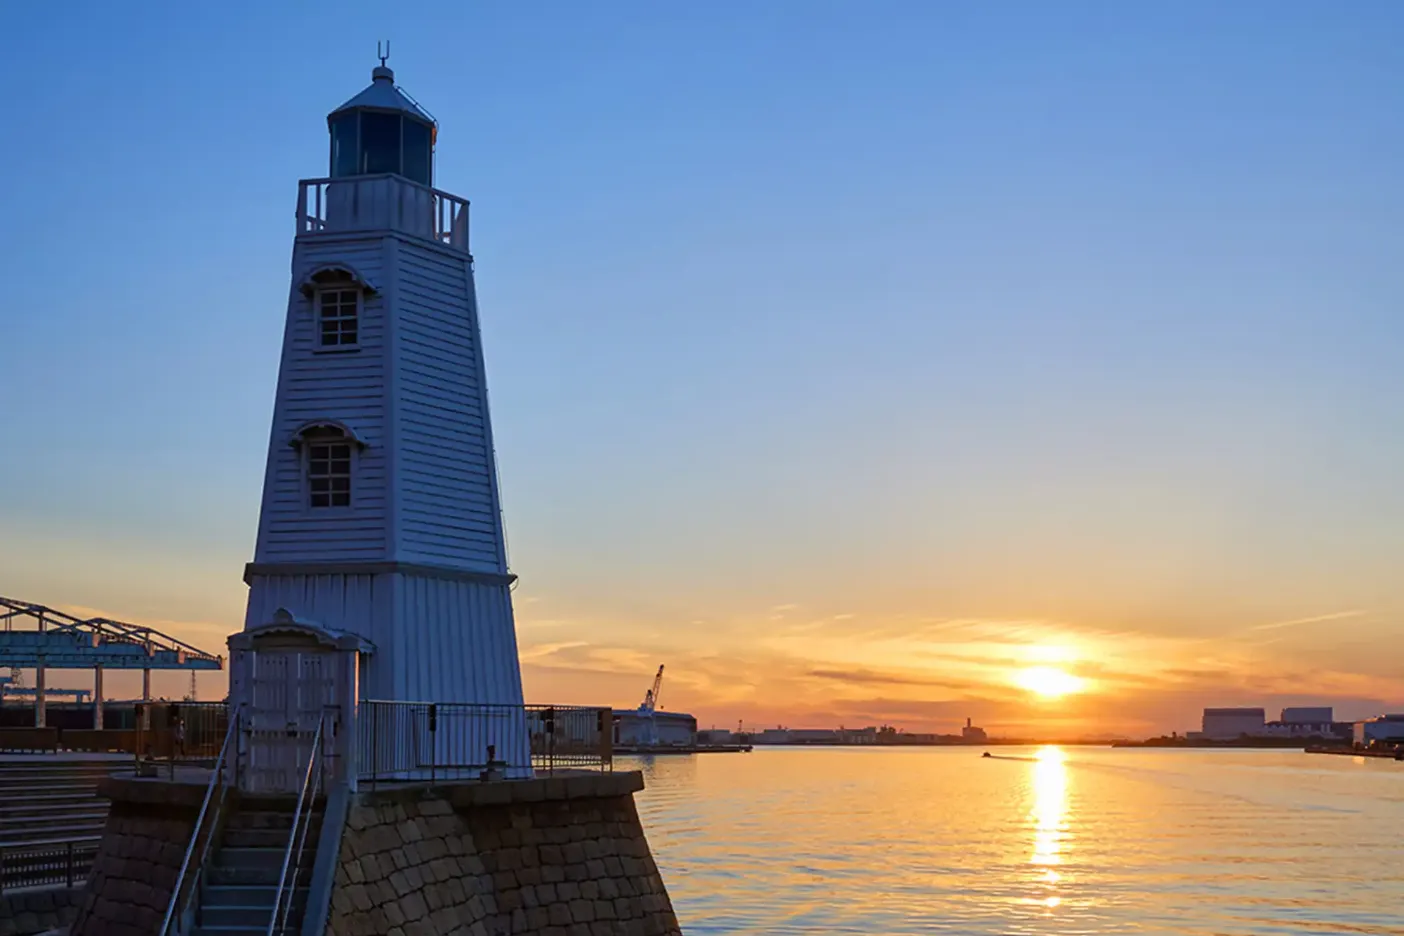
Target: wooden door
290,693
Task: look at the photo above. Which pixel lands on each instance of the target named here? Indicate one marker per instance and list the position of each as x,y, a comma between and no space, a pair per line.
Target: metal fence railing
452,740
59,862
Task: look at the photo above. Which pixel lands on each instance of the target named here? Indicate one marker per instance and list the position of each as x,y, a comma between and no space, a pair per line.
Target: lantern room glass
368,142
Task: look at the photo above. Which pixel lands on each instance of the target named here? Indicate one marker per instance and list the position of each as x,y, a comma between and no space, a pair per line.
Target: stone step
245,857
79,835
266,838
11,778
225,917
263,802
215,912
40,786
28,822
238,895
259,875
247,820
50,807
222,917
51,794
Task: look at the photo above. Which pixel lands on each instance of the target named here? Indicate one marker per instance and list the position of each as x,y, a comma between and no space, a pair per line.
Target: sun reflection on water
1049,808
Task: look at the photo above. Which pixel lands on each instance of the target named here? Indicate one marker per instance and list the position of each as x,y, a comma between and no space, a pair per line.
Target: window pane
340,451
418,153
341,500
340,484
343,138
321,500
380,142
348,336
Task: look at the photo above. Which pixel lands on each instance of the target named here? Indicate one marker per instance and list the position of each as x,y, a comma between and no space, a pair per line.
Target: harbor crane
650,702
650,705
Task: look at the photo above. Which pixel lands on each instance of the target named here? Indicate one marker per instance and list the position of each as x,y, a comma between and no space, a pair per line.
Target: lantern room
382,130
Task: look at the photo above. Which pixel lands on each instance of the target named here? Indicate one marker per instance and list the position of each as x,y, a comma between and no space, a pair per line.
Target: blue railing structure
206,824
458,740
50,863
297,837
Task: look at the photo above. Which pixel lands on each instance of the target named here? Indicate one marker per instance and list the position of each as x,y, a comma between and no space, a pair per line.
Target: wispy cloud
1318,619
537,652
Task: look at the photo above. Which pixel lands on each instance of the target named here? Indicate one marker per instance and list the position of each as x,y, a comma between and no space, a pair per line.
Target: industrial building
1225,724
1304,722
665,729
1382,729
1308,715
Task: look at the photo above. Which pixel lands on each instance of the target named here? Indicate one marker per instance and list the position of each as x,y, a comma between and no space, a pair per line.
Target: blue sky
1079,317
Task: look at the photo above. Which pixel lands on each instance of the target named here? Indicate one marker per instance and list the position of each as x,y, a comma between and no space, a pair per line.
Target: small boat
986,754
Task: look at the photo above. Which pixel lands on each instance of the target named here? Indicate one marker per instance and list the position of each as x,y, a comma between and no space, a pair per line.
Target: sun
1048,681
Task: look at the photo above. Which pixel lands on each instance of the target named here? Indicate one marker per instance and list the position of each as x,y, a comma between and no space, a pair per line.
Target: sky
862,363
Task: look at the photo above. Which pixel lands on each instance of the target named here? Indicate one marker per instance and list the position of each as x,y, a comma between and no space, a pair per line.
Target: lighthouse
380,567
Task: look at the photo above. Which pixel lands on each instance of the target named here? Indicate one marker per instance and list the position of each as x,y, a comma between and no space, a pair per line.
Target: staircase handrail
278,922
216,779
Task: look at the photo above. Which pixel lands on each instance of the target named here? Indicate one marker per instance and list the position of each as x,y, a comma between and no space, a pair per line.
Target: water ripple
1082,841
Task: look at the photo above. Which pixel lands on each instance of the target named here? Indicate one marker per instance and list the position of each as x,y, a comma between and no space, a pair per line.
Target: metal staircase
249,864
240,891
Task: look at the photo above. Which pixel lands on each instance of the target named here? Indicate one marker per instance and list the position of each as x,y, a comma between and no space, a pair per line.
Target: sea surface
1035,840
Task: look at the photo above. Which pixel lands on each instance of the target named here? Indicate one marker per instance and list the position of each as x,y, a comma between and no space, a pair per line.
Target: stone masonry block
582,911
414,907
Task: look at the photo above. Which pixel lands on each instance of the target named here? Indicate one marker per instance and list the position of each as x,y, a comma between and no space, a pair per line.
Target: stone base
560,856
148,829
27,912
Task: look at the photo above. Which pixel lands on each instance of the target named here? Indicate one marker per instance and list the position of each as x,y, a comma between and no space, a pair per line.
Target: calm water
1078,840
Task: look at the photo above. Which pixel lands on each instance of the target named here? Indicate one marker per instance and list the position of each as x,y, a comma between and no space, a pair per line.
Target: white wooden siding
447,511
435,639
424,489
345,386
457,642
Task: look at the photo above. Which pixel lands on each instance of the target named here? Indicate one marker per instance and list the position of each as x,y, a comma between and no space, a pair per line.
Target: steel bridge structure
36,637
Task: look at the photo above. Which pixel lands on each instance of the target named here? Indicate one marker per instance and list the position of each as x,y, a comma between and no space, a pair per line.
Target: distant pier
682,749
1354,752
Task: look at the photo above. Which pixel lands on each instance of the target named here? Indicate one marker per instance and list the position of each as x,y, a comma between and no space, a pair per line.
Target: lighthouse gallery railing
379,203
456,740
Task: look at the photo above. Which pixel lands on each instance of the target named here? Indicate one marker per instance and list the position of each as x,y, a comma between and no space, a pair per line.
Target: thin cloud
539,651
1334,616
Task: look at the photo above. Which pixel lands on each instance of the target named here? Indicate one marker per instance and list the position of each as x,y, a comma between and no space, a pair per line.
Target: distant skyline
862,365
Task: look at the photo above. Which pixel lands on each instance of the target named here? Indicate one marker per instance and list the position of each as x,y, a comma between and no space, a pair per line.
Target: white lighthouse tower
380,570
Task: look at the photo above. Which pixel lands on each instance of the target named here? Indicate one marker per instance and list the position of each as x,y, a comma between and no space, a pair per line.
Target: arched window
328,461
337,294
